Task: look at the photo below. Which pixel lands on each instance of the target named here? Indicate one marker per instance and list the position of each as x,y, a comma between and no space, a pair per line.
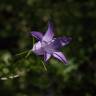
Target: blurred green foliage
76,19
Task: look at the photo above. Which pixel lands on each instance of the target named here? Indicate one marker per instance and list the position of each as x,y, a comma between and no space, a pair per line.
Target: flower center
44,44
47,46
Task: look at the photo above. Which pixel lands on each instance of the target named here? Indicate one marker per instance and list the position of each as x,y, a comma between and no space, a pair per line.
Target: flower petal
57,43
47,56
61,41
37,35
37,48
64,40
49,34
60,56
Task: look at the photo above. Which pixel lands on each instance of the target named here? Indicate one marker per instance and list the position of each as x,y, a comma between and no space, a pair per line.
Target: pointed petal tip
65,62
47,57
49,33
68,39
50,23
60,56
37,35
65,40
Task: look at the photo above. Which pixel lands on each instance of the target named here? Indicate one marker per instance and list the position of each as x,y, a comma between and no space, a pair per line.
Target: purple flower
49,46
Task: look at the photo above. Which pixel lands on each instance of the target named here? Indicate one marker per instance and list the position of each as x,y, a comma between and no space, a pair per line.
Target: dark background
74,18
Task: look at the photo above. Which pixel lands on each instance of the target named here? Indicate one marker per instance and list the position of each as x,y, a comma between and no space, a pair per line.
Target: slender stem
44,65
29,52
33,40
22,53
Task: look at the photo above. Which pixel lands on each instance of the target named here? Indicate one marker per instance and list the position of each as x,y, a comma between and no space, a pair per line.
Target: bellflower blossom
48,45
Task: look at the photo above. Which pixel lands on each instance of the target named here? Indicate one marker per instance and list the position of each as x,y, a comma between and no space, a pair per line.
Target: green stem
29,52
22,53
33,41
44,66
